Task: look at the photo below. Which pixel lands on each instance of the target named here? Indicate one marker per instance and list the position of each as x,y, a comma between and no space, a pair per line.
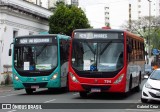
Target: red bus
103,60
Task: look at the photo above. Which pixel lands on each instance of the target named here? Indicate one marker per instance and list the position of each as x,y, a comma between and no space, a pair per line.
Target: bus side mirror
10,52
129,48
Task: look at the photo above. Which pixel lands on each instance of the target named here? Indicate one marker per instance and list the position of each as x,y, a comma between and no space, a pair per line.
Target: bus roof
134,36
97,30
111,30
44,35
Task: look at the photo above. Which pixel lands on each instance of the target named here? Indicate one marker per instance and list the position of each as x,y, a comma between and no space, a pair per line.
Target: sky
118,11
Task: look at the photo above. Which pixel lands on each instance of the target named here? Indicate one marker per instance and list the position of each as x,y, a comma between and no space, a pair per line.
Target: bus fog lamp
74,79
55,76
119,79
16,78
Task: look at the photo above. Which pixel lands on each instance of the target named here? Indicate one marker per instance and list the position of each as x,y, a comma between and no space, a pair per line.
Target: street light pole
149,50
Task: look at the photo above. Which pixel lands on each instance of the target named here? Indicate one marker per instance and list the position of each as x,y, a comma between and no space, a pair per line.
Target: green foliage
66,19
155,38
141,27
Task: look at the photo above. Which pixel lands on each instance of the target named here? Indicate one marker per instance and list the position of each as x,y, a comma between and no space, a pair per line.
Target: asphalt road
58,97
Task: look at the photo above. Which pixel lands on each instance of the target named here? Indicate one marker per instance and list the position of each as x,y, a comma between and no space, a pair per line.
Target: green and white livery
40,61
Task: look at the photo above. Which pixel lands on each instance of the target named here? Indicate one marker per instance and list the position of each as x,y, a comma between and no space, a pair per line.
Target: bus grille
89,87
41,85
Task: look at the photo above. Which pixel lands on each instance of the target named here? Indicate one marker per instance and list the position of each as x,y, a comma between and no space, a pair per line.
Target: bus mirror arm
10,50
129,48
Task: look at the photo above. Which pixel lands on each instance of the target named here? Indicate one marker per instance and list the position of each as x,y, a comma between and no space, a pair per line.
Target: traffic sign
155,52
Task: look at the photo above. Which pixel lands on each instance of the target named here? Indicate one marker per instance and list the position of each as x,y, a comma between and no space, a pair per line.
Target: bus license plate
158,94
34,87
95,90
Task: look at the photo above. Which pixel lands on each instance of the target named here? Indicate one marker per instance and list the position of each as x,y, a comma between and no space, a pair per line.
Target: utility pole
129,16
149,30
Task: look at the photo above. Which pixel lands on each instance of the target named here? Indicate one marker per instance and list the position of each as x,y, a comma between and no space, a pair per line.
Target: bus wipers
90,47
41,50
105,47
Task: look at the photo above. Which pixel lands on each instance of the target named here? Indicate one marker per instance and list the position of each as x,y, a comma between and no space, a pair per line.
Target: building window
15,33
106,8
139,6
106,13
31,33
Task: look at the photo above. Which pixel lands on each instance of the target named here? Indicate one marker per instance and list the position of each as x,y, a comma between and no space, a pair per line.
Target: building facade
37,2
51,3
141,8
18,18
75,2
98,18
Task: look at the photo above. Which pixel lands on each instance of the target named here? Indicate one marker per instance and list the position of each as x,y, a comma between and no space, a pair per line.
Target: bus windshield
96,55
35,57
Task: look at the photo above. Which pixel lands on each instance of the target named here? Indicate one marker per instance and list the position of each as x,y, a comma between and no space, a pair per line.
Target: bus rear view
98,61
36,62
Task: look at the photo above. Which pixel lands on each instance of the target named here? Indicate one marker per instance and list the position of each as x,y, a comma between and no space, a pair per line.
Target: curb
2,91
6,88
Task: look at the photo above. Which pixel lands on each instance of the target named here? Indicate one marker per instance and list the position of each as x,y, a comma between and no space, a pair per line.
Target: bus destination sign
34,40
88,35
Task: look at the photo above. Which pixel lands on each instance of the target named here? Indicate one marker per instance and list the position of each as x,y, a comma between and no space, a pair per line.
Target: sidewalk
6,88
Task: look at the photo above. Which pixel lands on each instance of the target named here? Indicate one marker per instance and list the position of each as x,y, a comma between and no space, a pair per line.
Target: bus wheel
83,94
29,91
130,83
137,89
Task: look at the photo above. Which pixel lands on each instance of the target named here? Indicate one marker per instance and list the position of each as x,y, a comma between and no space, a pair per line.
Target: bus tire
130,83
67,84
29,91
83,94
137,88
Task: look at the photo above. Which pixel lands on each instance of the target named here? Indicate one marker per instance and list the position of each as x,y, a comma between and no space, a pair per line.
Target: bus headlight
54,76
119,79
74,79
16,78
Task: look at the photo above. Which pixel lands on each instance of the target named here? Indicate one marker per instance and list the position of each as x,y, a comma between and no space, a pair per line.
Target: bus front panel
97,62
35,63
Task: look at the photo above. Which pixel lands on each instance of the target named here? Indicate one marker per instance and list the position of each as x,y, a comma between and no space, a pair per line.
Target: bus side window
129,49
64,50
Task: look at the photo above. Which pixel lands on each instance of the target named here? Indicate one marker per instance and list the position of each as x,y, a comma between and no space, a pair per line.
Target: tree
141,27
67,18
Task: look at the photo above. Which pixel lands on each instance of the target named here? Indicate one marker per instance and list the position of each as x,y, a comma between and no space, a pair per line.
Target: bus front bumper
35,85
79,87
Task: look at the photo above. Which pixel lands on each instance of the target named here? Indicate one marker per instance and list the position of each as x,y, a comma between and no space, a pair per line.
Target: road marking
12,111
8,95
49,101
75,93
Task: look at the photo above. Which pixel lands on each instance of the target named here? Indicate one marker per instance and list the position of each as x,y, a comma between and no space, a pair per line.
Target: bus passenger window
120,60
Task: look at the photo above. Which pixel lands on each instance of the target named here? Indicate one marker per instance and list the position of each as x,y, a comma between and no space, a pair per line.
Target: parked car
151,89
148,69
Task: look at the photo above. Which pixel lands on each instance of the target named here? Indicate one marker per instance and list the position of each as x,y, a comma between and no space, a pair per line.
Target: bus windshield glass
104,55
35,57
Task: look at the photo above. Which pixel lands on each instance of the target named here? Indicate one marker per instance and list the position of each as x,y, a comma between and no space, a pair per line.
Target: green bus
40,61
